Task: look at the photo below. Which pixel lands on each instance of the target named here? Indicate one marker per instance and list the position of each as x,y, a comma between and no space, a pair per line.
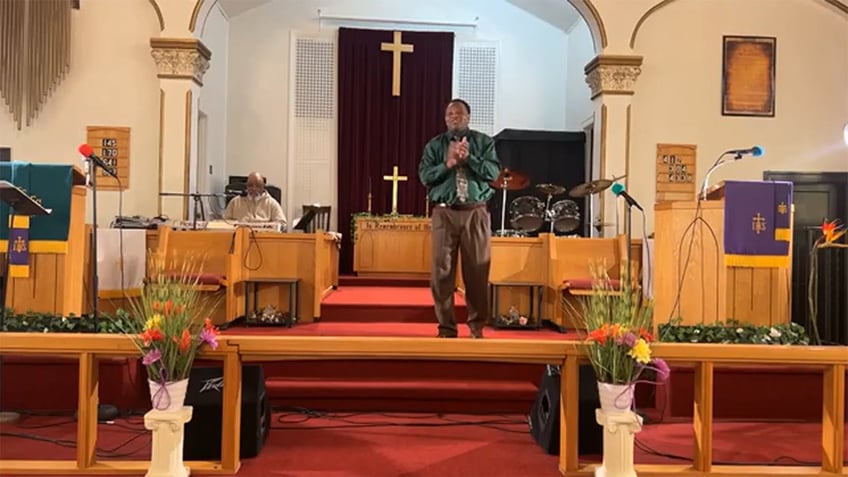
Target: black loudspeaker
205,393
544,417
5,154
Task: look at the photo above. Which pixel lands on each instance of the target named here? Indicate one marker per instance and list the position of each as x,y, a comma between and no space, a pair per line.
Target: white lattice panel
313,131
475,74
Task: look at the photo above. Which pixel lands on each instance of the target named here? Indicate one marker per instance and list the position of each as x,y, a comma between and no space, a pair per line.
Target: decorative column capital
181,58
613,74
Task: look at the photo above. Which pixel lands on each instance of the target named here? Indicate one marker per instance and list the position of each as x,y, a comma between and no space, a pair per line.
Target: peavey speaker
544,417
205,393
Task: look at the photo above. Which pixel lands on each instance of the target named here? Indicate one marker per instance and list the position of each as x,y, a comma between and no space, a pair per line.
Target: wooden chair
572,273
321,220
212,245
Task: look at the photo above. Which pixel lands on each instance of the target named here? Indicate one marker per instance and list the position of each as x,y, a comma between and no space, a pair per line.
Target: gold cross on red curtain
397,47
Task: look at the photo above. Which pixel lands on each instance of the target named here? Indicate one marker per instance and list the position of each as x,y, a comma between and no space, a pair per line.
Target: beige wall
678,95
112,82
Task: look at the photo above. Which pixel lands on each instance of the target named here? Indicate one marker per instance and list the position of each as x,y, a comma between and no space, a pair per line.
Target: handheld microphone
88,152
618,190
755,151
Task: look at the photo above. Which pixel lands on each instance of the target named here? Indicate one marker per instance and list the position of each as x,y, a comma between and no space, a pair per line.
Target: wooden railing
234,350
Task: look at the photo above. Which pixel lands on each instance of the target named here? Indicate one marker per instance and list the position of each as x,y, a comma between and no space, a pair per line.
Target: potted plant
618,324
169,324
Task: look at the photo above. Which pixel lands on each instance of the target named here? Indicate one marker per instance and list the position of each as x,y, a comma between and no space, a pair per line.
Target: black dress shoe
445,336
477,335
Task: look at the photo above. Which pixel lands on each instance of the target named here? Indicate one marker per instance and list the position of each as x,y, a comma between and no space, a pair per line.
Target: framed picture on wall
748,76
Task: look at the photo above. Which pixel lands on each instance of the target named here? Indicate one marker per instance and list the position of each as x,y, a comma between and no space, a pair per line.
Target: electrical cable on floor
777,461
308,414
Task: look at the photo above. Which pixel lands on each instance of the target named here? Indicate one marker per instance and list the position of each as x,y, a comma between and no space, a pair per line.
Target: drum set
527,214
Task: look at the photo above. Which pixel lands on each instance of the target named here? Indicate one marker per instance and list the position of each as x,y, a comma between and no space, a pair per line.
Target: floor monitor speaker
205,394
545,414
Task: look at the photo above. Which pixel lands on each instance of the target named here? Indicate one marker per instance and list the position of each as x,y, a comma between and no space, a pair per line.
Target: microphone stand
628,229
91,178
18,202
718,163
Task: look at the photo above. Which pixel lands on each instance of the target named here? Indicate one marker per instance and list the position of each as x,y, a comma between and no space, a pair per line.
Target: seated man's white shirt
261,209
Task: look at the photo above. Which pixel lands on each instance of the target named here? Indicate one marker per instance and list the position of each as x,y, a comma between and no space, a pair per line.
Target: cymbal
589,188
551,189
510,180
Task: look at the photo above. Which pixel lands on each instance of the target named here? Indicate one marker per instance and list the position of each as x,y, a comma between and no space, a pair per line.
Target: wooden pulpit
691,279
56,269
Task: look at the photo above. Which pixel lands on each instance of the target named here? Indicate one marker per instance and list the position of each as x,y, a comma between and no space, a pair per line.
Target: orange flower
169,306
207,324
646,335
832,231
180,309
151,335
157,306
184,341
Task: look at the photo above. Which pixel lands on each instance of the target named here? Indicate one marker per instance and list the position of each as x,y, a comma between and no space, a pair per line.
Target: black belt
470,206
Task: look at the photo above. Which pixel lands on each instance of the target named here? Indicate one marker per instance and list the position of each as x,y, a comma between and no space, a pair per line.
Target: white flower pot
616,397
170,397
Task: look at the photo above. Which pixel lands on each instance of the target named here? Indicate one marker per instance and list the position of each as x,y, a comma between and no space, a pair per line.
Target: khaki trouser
466,230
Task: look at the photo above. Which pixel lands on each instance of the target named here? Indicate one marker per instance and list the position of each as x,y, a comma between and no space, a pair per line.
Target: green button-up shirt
481,167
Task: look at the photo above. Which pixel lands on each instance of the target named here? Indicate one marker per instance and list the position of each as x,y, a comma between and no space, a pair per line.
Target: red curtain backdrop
377,130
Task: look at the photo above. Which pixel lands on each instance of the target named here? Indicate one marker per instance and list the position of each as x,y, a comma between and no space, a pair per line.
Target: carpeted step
384,305
403,386
402,395
357,281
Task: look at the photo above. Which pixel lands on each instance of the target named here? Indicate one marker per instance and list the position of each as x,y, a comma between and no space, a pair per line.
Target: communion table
391,246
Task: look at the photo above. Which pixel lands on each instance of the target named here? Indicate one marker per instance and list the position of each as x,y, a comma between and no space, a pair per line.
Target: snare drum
510,233
527,213
566,216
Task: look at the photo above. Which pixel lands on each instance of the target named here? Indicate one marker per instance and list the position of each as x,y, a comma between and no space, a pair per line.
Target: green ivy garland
32,322
733,332
390,217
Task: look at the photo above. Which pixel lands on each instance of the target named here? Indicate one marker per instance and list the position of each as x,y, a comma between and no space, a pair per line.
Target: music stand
19,203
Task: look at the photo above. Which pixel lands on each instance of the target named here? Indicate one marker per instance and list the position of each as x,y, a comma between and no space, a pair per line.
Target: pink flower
209,337
662,369
628,339
151,357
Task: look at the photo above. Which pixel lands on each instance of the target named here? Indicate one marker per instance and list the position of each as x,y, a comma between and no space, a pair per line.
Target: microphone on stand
754,151
88,152
618,190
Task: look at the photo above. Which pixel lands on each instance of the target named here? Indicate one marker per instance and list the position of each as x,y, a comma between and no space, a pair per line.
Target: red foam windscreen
86,150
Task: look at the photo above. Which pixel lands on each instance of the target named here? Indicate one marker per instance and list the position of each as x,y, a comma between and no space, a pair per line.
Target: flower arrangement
831,232
169,324
618,341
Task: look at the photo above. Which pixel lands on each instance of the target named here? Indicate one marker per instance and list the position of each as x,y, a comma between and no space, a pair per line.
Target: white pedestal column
166,456
619,430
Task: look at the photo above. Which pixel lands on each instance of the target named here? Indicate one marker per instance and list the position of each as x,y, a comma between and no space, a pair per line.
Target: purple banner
19,252
757,220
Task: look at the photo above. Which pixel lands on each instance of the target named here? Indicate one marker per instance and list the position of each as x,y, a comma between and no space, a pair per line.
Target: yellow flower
153,322
641,352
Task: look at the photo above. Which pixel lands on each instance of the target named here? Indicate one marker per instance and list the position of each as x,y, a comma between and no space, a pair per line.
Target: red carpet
432,445
388,304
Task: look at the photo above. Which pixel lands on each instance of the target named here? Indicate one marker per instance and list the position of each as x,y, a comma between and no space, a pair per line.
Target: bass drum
566,216
526,214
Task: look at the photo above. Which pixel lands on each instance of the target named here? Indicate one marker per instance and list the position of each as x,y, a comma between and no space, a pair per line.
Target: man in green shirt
456,168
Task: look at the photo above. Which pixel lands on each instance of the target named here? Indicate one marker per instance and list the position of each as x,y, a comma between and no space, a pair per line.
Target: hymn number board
676,172
112,144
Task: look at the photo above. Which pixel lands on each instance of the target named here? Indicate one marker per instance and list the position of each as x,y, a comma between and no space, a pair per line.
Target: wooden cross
397,48
395,178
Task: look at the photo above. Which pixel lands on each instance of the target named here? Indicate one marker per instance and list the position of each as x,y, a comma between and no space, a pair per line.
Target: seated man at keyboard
256,206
